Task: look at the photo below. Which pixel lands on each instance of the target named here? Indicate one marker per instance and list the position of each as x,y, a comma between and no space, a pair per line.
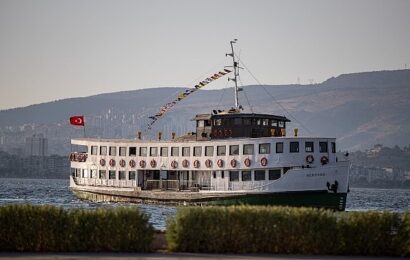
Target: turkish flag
77,120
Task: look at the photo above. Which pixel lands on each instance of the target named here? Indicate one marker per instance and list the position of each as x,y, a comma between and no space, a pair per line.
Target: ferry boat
232,158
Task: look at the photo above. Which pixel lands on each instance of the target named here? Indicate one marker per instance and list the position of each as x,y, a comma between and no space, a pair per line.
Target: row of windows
259,175
103,174
221,150
245,121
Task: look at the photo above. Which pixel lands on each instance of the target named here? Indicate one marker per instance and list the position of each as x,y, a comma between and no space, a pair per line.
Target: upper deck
232,124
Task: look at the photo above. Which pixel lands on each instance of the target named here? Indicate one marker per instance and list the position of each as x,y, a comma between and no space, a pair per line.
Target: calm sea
57,193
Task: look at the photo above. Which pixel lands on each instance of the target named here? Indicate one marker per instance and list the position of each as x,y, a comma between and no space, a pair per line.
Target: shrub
255,229
369,233
47,228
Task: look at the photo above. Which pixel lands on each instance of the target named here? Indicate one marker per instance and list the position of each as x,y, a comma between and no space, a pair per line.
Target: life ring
208,163
264,161
153,163
220,134
174,164
220,163
324,160
247,162
132,164
228,132
310,159
122,163
233,163
112,162
143,164
197,164
102,162
185,163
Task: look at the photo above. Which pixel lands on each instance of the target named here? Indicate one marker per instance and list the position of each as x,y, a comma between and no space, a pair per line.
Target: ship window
131,175
164,151
258,121
274,123
309,147
259,175
153,151
174,151
237,121
281,124
221,150
102,174
294,147
218,122
77,172
121,175
234,176
246,176
103,150
111,175
209,151
248,149
247,121
132,151
323,147
234,150
113,151
333,147
207,122
93,173
214,175
200,123
265,122
185,151
264,148
274,174
123,151
197,150
279,147
143,151
222,174
94,150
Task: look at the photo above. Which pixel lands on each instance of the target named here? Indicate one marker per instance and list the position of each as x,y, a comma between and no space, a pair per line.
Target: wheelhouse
221,125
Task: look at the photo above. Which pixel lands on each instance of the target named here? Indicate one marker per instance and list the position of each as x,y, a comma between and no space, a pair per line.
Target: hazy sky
57,49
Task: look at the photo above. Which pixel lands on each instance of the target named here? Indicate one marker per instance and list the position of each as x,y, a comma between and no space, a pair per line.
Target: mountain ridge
360,109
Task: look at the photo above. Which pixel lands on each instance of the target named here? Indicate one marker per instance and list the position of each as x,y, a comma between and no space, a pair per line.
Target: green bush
369,233
47,228
404,235
253,229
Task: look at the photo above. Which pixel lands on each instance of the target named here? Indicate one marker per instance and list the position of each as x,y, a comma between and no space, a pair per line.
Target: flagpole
84,130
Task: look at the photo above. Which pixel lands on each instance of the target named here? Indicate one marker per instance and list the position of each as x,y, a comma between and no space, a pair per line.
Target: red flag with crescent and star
77,120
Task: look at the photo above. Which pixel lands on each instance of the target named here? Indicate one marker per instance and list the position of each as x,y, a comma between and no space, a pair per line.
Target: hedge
284,230
51,229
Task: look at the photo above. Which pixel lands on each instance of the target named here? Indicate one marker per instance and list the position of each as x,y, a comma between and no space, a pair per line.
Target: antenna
235,73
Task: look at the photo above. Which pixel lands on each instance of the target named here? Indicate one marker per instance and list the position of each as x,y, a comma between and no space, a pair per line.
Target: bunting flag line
182,95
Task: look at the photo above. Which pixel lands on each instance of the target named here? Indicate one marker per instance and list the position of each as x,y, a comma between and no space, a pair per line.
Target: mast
235,73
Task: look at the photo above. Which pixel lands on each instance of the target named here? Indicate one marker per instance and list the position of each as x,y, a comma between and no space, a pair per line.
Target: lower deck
178,180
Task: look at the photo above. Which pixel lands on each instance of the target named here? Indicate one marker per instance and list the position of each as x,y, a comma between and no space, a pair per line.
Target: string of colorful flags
182,95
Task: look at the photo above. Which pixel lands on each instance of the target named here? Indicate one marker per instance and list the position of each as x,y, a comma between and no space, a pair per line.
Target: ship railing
105,182
251,185
78,157
177,185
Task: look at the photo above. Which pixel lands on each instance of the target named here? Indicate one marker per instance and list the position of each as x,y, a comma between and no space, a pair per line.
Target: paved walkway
174,256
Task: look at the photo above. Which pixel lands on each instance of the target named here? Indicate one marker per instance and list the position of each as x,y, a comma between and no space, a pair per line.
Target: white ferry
232,158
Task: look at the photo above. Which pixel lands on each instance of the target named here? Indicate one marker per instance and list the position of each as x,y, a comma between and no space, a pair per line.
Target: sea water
57,193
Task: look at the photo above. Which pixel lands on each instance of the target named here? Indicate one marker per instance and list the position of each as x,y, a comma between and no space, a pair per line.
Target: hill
360,109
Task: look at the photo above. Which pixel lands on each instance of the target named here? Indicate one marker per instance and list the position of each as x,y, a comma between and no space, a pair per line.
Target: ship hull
317,199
